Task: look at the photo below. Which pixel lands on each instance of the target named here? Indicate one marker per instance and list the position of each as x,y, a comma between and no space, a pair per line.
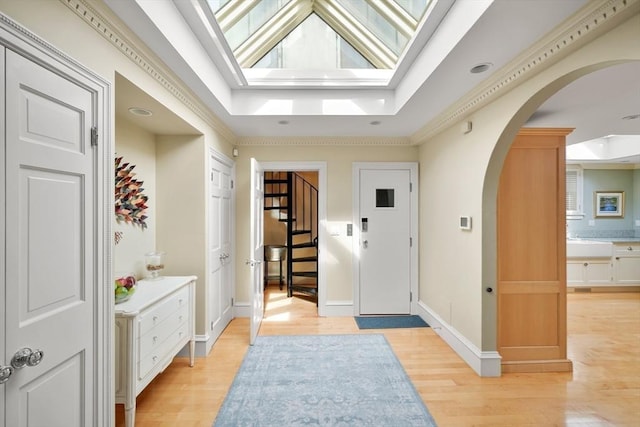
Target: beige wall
461,172
137,147
339,161
457,171
56,23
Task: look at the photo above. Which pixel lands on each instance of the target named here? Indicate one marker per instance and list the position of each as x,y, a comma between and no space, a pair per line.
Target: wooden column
532,285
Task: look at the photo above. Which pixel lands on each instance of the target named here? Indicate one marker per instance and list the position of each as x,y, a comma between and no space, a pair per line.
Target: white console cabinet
150,329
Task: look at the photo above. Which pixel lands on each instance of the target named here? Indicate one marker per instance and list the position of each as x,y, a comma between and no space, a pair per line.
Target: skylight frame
346,25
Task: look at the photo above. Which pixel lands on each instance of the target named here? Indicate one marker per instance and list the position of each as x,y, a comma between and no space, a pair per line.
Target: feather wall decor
130,201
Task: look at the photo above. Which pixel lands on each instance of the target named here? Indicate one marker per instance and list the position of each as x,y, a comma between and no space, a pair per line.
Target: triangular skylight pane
251,21
313,45
376,23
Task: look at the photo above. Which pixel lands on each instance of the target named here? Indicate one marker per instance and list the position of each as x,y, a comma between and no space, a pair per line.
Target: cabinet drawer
162,331
155,315
163,349
627,249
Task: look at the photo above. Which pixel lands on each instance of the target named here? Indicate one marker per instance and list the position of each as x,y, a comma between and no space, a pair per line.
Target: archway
491,185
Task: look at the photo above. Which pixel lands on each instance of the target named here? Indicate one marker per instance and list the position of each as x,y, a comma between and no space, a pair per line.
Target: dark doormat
388,322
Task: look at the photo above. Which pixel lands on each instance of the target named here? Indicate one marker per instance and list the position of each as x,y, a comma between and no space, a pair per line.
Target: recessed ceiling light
375,122
283,122
481,68
138,111
631,117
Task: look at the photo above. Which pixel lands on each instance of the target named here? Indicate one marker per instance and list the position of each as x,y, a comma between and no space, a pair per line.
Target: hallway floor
603,390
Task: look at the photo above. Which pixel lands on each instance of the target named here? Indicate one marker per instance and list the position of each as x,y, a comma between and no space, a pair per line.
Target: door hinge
410,187
211,176
94,136
231,302
410,296
232,184
410,242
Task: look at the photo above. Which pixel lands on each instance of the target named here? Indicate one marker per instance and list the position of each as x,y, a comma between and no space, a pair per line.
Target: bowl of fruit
124,287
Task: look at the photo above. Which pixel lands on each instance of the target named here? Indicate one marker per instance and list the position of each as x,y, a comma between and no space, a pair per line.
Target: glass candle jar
154,263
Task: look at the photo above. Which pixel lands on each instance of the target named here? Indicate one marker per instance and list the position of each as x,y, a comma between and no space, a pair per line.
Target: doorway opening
294,235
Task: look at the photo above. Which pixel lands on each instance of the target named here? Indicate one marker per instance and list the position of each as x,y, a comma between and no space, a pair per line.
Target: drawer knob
155,338
629,248
155,358
155,318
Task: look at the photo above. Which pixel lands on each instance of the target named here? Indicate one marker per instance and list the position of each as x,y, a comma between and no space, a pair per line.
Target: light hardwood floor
603,390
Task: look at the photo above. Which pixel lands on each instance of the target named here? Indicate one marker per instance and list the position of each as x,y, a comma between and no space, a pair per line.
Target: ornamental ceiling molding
595,19
111,32
324,141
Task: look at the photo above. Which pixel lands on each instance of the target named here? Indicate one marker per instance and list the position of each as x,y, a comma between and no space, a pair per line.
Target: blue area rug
322,380
387,322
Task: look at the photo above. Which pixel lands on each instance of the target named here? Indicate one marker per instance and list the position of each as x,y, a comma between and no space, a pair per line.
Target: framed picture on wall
609,204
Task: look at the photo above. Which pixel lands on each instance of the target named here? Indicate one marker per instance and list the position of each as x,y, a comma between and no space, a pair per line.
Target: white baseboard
204,344
338,309
242,309
484,363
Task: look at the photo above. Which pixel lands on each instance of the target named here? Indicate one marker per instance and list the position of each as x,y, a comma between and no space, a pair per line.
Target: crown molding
113,33
594,19
324,141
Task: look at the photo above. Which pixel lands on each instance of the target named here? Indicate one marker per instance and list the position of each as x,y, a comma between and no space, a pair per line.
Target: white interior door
385,241
220,261
257,249
51,238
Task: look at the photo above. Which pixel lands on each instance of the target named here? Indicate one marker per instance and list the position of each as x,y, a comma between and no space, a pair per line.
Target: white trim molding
484,363
116,36
594,19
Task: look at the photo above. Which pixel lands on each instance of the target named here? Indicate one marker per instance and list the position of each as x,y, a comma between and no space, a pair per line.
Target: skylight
318,35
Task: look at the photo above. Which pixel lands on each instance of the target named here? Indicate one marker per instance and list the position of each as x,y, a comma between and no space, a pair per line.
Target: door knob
26,357
5,373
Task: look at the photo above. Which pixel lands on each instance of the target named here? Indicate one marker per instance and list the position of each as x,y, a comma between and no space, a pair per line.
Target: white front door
384,224
51,234
220,261
257,249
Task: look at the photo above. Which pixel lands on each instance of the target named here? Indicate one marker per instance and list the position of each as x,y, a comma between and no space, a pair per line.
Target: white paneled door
385,241
257,249
220,252
51,234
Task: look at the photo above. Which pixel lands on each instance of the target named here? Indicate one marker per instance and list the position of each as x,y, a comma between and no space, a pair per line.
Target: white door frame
31,46
321,168
413,209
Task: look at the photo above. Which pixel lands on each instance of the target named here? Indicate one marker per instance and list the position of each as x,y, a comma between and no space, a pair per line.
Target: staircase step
308,289
303,245
275,195
304,273
305,259
274,208
275,181
287,220
298,232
